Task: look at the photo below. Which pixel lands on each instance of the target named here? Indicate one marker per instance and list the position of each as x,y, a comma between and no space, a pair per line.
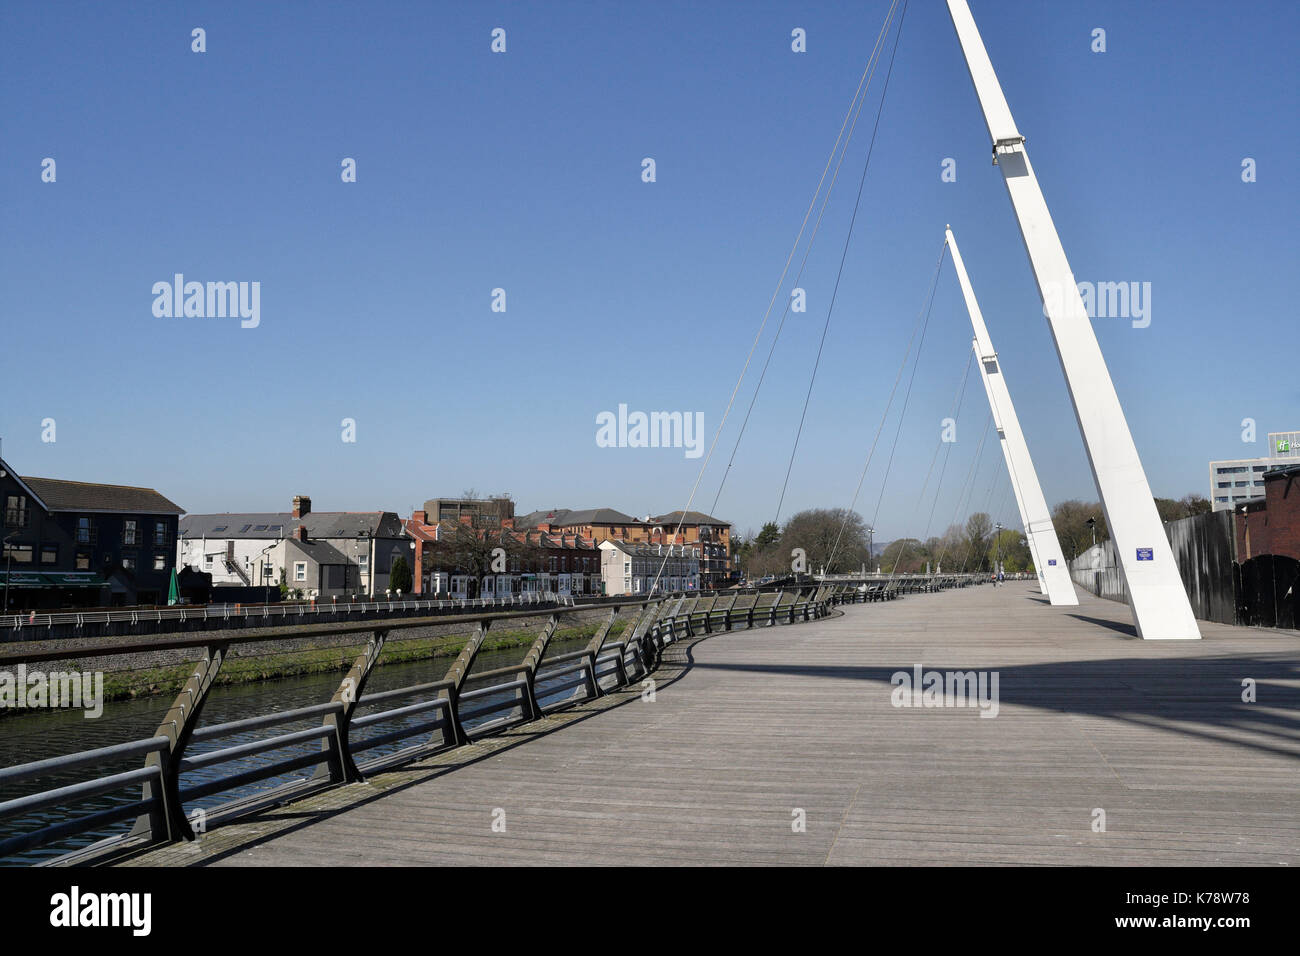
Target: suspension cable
843,257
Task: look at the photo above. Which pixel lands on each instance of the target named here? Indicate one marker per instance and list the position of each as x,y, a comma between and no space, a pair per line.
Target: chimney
421,517
467,520
301,533
301,506
508,523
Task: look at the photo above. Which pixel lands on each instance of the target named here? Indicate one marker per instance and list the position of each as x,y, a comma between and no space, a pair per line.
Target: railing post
726,617
166,820
457,673
534,658
594,646
340,767
771,620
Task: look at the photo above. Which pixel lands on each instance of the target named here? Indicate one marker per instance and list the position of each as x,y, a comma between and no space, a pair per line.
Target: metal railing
250,615
428,717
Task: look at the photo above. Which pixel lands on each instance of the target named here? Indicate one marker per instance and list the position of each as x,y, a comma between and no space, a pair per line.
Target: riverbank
260,662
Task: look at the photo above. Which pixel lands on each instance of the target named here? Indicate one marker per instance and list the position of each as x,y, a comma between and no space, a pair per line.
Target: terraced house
322,554
82,544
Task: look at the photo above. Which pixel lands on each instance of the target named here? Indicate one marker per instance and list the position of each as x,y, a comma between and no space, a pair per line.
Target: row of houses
81,544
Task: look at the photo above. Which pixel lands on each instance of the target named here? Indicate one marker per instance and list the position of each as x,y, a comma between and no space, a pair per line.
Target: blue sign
1051,562
1144,554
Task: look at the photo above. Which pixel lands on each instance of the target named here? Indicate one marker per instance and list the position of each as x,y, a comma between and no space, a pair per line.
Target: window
128,561
207,562
85,530
300,570
128,531
160,562
82,562
49,554
245,528
363,562
19,553
160,534
16,515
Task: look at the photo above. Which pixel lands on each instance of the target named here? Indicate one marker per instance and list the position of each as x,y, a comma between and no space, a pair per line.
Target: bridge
796,739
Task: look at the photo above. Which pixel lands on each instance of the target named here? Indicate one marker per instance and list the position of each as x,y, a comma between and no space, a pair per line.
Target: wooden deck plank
746,726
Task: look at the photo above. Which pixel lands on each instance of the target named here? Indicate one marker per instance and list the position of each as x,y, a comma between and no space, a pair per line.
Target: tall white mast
1049,562
1160,606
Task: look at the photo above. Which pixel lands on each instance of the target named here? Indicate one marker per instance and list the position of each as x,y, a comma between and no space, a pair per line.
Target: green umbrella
173,592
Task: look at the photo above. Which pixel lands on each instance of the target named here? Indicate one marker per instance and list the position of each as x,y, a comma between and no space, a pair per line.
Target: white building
1238,480
627,568
249,550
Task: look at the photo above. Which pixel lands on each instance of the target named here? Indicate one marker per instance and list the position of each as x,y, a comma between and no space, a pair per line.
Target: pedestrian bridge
1078,744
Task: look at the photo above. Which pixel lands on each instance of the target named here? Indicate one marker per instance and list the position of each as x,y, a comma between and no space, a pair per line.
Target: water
37,735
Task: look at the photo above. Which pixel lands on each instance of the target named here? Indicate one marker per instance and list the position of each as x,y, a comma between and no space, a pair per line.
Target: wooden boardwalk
750,726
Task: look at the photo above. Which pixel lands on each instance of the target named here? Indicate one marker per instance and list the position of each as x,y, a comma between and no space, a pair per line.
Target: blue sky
522,171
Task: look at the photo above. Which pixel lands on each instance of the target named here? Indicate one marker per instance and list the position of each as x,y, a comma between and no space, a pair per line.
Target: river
40,734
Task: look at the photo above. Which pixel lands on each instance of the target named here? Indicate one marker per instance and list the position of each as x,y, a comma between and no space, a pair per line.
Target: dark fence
1267,589
1260,592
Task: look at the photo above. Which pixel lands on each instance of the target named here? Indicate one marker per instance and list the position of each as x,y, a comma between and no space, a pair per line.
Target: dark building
78,544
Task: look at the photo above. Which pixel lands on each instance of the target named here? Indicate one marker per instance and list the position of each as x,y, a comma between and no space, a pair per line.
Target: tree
399,578
769,536
903,556
1010,549
1184,507
832,538
1070,518
979,530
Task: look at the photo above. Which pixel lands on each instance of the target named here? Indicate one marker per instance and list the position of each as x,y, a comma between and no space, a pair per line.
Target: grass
168,681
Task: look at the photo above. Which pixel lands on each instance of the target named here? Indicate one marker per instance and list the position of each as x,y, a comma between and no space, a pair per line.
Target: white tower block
1053,573
1160,606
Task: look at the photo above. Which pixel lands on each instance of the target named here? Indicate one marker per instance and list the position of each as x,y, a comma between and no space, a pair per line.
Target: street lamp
1092,526
9,567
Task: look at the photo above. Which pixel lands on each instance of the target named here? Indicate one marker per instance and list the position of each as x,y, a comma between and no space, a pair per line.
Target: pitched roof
545,516
692,517
60,495
322,552
637,549
593,516
281,524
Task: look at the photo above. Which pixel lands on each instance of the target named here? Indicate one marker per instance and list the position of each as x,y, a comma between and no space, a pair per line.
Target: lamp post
1092,526
9,566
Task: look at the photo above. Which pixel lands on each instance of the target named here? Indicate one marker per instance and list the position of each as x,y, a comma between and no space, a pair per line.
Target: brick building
1271,525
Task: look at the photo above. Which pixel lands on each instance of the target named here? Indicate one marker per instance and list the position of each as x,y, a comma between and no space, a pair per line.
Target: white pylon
1156,594
1035,518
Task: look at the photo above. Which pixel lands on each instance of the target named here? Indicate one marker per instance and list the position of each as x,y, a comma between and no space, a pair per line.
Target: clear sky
523,171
